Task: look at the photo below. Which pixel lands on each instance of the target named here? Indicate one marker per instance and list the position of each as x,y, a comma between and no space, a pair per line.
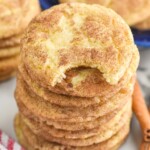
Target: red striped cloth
7,143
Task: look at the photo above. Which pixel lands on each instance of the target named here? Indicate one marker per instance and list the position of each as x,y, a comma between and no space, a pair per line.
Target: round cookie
7,76
9,51
60,114
93,84
15,16
101,2
144,25
6,62
31,141
81,35
46,110
71,126
103,136
10,41
63,100
58,99
130,10
39,127
7,71
85,141
9,64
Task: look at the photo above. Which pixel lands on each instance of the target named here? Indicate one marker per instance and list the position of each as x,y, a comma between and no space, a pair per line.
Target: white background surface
8,109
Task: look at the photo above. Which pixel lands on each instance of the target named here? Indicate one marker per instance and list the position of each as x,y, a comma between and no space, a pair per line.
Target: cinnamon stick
141,111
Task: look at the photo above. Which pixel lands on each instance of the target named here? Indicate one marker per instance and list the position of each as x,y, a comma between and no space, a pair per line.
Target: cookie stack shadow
14,18
83,111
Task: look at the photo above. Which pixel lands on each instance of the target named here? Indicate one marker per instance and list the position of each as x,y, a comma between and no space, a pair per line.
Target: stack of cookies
15,15
75,81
